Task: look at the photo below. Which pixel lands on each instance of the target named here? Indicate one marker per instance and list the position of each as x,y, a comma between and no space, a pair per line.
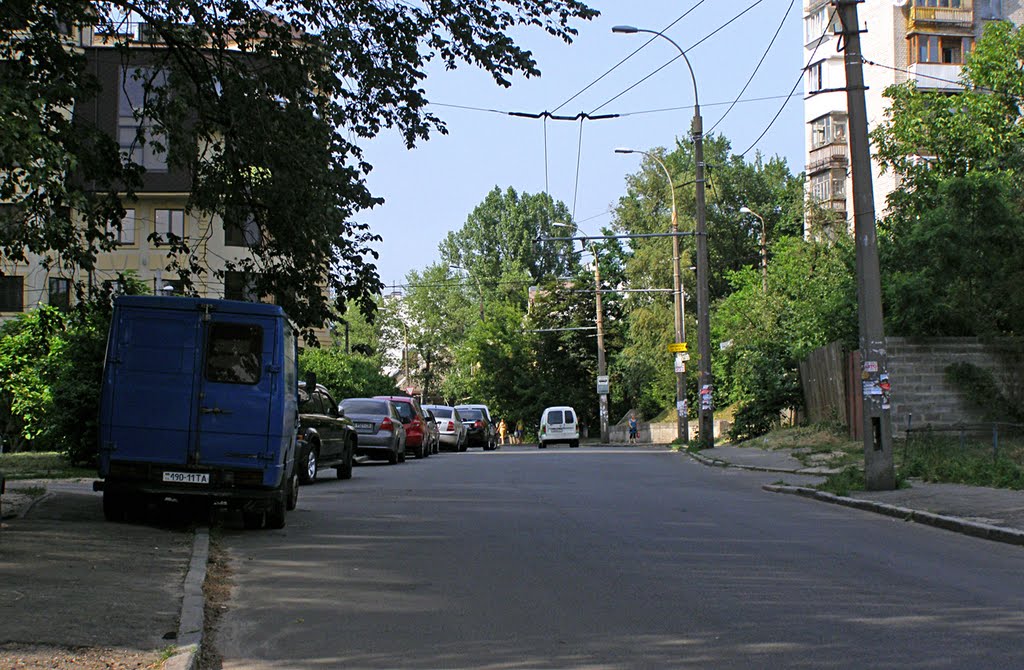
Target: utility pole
879,471
601,369
705,395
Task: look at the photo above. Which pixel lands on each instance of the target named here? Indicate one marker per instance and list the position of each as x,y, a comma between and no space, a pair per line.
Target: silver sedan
379,427
450,428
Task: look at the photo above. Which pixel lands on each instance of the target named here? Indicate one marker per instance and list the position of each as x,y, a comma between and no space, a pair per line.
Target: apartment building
925,41
158,211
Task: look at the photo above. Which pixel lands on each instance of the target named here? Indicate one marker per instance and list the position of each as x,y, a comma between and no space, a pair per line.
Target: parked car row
382,428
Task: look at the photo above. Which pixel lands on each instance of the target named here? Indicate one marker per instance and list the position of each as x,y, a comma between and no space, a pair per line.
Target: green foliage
74,372
25,397
262,111
844,481
810,301
345,375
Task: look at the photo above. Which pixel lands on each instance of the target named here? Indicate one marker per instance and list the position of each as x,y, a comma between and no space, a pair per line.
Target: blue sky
431,189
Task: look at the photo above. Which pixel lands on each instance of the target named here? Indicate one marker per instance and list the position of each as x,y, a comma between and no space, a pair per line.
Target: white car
559,424
451,431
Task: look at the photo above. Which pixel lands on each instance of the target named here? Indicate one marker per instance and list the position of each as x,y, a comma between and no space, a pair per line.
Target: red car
414,421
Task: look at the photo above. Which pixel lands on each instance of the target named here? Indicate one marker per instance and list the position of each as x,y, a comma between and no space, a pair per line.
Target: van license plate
187,477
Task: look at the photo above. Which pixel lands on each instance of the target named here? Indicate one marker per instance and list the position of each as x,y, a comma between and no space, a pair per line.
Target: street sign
677,347
602,384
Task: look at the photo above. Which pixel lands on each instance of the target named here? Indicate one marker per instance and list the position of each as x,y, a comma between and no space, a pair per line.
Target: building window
952,4
242,235
941,49
816,76
60,293
828,186
12,294
136,132
817,25
126,235
828,129
169,222
239,286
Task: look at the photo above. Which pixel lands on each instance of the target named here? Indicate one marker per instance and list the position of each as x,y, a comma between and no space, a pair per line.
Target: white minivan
558,424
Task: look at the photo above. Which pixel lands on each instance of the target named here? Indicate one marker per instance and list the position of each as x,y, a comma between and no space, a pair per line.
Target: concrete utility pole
878,459
601,369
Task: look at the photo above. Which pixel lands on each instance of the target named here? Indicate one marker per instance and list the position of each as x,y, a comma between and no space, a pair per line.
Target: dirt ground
23,657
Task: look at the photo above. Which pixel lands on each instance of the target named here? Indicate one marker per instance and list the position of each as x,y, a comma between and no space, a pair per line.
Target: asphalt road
607,558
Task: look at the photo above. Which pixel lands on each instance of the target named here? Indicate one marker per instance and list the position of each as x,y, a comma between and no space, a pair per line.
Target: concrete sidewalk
78,591
994,514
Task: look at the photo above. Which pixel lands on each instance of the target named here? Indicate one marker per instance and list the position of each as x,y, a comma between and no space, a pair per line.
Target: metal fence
966,443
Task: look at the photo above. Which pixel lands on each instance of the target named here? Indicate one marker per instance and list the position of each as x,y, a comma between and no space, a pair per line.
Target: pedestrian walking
519,431
633,428
502,430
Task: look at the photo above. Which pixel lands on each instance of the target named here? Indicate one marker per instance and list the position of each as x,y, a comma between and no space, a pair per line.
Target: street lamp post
682,414
706,389
601,363
764,247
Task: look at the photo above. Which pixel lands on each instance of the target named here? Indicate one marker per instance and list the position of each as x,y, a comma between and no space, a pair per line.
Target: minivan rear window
233,353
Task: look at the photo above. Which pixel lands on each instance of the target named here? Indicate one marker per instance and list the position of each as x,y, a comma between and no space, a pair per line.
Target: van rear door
237,382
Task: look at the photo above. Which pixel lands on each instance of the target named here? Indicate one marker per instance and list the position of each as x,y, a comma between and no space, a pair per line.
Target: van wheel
275,515
292,496
252,520
541,445
345,469
309,469
574,444
113,506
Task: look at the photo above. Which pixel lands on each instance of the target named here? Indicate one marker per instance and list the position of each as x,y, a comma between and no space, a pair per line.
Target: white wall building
921,40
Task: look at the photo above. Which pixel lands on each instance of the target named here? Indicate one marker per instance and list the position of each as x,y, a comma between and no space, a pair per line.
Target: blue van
199,403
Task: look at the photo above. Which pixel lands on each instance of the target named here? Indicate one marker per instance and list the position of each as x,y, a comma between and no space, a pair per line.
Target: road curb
984,531
190,623
718,463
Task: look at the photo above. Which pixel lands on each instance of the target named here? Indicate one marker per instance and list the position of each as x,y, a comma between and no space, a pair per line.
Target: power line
831,17
635,52
754,73
677,57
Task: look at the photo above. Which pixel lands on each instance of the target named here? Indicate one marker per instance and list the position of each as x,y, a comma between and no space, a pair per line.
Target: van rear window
233,353
555,417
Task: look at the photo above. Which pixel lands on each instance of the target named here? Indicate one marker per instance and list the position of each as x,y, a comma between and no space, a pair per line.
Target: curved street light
682,415
706,386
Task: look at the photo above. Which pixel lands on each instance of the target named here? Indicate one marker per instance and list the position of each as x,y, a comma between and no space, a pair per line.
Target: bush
346,375
770,384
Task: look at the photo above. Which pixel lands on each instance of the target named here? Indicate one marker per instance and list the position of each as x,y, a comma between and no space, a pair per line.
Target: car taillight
451,426
387,425
478,424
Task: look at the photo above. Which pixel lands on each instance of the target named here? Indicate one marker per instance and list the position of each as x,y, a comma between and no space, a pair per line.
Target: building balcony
936,76
931,17
826,157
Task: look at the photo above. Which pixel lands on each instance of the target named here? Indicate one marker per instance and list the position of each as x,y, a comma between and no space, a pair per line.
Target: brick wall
917,368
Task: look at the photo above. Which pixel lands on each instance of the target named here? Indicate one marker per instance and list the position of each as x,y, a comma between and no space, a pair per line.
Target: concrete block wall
661,433
917,368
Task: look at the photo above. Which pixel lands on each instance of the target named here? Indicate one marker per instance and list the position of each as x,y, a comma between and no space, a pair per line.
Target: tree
262,109
951,244
345,375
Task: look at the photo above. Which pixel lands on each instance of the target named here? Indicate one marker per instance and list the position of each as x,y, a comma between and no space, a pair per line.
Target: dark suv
416,437
327,438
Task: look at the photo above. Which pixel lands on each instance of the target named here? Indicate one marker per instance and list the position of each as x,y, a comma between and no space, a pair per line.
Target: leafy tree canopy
263,109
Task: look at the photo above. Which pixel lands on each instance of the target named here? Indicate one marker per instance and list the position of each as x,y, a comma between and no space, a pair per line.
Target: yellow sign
677,347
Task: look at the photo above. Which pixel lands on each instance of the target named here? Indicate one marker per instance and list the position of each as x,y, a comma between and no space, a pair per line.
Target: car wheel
541,445
309,469
463,446
345,469
394,457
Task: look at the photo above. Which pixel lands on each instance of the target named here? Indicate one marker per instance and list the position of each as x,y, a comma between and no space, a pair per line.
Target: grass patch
939,458
41,465
841,483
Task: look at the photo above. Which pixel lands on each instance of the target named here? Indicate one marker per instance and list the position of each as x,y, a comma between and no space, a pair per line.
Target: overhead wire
635,52
799,79
678,56
758,67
